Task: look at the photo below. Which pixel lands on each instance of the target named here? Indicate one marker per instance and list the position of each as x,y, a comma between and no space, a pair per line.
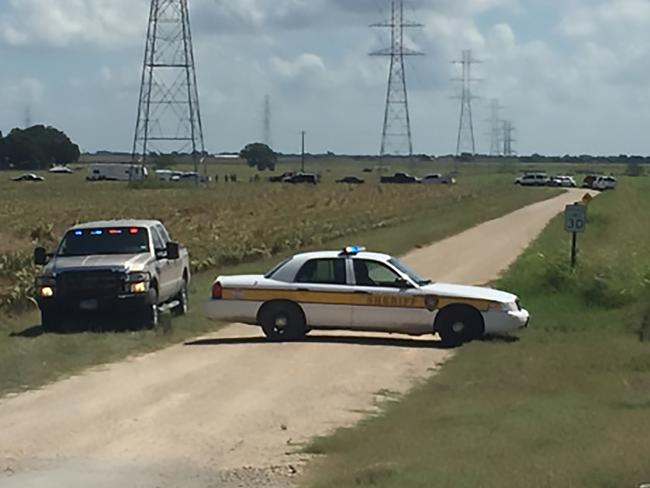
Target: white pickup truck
129,268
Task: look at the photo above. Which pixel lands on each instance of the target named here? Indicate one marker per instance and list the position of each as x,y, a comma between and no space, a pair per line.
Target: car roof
116,223
336,254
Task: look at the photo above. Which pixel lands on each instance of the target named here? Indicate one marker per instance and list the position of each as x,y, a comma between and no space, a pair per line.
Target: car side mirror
173,251
40,256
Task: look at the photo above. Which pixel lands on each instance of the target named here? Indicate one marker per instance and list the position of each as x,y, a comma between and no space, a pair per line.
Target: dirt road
232,410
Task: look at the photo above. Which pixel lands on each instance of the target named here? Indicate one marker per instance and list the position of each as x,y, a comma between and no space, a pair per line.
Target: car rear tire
283,322
458,325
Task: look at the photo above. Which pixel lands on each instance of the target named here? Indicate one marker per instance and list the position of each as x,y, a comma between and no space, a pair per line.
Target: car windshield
103,241
409,272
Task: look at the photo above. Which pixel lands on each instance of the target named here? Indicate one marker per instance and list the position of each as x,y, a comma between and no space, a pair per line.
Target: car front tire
458,325
52,321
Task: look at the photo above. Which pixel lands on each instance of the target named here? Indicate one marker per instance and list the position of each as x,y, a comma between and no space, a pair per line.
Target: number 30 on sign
575,218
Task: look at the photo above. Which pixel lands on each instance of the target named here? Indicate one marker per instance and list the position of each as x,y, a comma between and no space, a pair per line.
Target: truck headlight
138,282
45,287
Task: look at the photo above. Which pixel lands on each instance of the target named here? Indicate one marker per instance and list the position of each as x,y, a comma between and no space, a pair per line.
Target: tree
259,156
38,147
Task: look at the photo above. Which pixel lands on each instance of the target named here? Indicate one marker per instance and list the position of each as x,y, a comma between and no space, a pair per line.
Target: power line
396,138
169,115
466,142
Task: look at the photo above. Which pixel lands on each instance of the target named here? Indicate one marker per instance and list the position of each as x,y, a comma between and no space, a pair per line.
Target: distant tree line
38,147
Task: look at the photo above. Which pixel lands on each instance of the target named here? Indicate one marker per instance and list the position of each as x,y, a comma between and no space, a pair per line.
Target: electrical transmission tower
396,138
169,116
495,128
466,142
267,121
508,139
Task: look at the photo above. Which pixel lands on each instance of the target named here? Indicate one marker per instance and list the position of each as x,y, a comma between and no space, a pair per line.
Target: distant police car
359,290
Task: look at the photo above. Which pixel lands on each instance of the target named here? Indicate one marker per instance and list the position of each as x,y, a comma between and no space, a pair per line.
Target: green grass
31,362
565,406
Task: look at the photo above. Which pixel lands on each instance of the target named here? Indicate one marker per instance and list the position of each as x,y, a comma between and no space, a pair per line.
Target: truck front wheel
52,321
150,314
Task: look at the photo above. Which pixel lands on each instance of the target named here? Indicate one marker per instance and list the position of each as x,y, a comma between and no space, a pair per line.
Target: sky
570,74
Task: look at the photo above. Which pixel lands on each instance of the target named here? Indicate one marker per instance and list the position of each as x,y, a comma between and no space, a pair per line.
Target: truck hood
471,292
118,262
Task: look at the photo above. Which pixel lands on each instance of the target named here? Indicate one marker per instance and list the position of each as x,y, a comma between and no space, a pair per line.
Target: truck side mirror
40,256
173,251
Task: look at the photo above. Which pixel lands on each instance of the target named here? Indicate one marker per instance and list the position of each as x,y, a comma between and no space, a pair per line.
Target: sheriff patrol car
358,290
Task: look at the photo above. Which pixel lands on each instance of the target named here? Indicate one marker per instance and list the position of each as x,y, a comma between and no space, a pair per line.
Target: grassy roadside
565,406
28,362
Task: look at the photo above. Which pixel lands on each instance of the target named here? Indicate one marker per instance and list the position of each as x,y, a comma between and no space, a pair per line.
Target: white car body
406,305
535,179
604,183
564,181
438,179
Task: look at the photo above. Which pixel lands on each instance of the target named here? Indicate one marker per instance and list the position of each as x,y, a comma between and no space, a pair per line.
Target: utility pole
396,138
28,117
466,141
169,115
267,121
495,128
302,158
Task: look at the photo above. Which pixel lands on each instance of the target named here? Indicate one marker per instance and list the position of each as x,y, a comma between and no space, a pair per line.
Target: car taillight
217,291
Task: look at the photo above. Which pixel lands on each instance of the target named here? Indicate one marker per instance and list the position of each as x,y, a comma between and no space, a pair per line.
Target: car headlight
504,307
138,282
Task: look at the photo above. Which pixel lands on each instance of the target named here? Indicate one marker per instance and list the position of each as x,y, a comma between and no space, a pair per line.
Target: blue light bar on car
78,233
352,250
96,232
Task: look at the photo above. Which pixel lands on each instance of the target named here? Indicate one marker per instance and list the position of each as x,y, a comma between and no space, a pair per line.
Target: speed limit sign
575,218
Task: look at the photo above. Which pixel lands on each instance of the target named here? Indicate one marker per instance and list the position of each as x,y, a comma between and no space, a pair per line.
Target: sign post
575,221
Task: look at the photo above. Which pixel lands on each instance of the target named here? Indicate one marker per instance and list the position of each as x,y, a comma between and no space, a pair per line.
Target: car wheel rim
280,323
185,304
154,315
458,328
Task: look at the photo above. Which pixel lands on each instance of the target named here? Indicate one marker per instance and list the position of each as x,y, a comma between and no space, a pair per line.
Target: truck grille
89,284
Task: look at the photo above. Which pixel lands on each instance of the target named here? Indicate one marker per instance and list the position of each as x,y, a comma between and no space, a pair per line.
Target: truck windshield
93,242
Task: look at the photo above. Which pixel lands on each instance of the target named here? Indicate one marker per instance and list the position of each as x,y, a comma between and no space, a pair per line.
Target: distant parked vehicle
282,177
191,176
62,170
117,172
400,178
604,183
562,181
312,178
534,179
168,174
28,177
438,179
589,180
352,180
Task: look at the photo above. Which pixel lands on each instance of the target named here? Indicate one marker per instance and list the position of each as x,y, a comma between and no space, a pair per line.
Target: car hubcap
281,322
458,328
